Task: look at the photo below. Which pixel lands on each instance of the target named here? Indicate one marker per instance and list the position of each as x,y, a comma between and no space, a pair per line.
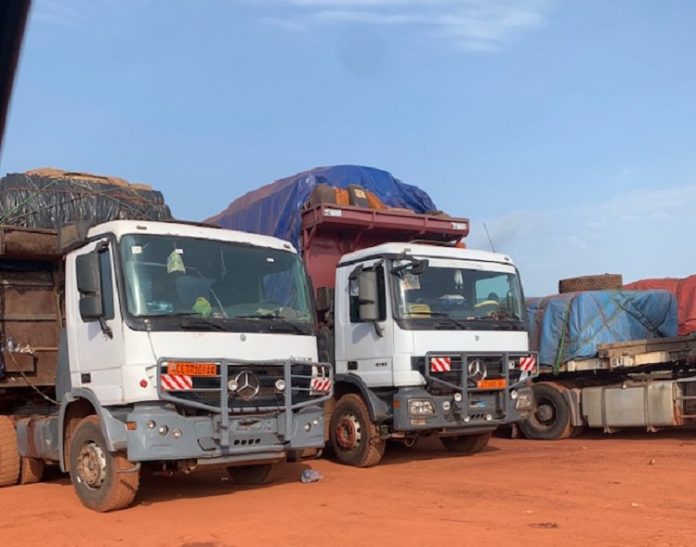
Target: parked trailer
641,383
150,343
427,337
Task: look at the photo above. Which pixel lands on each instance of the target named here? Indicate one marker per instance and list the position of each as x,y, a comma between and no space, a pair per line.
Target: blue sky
568,127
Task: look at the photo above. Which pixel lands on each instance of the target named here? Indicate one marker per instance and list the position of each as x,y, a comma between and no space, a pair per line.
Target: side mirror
88,276
368,298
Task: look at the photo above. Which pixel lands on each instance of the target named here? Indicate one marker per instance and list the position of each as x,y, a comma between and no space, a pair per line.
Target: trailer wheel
9,455
31,470
354,439
103,481
254,474
551,418
466,444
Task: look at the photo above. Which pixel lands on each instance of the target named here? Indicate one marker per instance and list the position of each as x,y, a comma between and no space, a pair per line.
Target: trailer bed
637,353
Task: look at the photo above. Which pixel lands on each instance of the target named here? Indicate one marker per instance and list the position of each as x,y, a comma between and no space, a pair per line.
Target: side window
107,284
381,293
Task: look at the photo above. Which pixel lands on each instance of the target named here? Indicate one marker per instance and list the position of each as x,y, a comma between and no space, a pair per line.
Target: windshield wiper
202,322
447,321
509,318
280,320
188,320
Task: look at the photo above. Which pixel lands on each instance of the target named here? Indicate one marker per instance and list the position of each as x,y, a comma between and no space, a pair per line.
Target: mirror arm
106,329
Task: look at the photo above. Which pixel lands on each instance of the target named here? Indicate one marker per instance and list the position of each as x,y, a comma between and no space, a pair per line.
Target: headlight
280,384
420,407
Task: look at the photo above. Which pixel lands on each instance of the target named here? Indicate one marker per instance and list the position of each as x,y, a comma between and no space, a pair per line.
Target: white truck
151,343
427,338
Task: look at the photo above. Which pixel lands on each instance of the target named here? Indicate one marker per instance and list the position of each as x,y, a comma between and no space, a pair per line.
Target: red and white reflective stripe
176,382
320,385
440,364
527,364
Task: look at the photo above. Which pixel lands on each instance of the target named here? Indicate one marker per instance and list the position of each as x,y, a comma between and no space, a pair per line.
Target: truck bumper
159,432
483,410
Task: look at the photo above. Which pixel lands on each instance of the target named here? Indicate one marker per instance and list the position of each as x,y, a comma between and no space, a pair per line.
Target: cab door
364,348
96,348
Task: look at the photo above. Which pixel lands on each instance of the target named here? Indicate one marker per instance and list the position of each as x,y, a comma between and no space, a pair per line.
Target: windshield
169,276
458,290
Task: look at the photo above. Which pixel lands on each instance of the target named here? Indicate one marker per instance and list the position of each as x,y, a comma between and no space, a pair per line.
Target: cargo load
570,326
50,198
684,289
274,209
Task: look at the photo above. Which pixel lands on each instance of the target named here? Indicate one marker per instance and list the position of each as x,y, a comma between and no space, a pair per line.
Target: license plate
497,383
192,369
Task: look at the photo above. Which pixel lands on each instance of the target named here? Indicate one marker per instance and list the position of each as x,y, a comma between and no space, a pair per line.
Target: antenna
490,241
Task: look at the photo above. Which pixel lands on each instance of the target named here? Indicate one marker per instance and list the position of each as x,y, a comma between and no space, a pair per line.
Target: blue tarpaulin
571,326
275,209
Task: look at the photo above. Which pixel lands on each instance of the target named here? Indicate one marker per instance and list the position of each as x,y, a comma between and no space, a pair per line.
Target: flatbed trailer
641,383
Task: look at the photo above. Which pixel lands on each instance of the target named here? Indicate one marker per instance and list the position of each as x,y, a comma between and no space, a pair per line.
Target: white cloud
474,25
640,234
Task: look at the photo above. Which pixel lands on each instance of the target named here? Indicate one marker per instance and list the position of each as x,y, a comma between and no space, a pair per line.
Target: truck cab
181,346
435,340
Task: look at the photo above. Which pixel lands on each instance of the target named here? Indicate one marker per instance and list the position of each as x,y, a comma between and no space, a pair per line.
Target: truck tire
466,444
103,481
9,455
354,438
254,474
551,417
31,470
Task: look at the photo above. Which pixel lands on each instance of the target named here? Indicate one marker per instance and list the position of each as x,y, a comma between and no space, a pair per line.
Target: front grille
454,379
256,386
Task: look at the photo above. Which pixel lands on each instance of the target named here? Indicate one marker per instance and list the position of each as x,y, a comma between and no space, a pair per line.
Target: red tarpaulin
685,291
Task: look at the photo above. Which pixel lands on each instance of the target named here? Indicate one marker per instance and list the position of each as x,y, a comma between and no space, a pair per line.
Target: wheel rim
91,465
348,432
545,415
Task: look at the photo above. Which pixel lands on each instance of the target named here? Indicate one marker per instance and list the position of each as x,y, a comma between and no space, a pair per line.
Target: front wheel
354,438
103,481
466,444
253,474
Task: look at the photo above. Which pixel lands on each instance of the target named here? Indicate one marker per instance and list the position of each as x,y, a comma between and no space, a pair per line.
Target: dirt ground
625,489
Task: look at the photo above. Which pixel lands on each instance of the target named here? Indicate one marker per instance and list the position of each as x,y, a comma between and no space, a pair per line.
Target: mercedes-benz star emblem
247,385
477,370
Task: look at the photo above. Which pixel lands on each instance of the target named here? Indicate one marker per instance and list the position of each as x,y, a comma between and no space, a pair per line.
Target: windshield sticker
175,263
270,259
136,249
410,282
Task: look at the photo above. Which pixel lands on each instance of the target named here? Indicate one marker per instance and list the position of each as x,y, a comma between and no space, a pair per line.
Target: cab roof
121,228
424,250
